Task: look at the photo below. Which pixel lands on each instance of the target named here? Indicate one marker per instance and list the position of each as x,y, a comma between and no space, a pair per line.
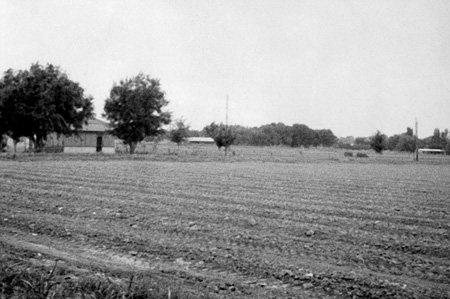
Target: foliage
224,136
409,132
179,131
406,143
3,143
439,140
134,109
211,130
302,135
378,142
348,154
42,100
392,142
278,134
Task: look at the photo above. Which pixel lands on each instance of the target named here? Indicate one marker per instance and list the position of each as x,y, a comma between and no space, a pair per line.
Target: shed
200,140
92,138
431,151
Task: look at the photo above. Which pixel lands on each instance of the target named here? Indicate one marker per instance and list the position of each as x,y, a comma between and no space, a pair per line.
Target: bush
378,142
348,154
362,155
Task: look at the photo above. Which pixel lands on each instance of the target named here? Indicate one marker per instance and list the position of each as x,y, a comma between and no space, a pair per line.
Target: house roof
95,125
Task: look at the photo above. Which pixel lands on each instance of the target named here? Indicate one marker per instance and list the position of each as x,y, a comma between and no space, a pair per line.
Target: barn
92,138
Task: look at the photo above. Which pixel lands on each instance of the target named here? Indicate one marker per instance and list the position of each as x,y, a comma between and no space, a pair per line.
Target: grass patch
22,278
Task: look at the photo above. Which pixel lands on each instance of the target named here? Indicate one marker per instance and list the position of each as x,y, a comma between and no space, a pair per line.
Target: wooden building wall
88,139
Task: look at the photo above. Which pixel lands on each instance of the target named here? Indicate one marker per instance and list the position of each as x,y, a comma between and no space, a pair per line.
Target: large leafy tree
42,100
135,109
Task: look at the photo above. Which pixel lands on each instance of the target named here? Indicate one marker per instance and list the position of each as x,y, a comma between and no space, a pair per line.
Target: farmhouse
200,140
92,138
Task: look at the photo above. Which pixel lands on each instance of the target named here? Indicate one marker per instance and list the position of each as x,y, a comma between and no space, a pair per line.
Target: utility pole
226,119
417,138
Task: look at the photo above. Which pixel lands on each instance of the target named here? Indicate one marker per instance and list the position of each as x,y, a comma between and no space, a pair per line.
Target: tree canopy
179,131
224,136
135,109
42,100
378,142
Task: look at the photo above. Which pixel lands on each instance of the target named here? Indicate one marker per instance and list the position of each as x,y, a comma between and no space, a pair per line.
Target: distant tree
211,130
392,142
406,143
179,131
302,135
409,131
135,110
362,143
436,141
225,137
194,133
325,138
42,100
378,142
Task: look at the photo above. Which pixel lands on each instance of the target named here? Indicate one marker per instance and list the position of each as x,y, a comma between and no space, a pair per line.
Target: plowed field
244,229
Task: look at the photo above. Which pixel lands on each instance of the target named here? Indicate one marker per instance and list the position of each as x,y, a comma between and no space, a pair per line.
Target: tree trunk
132,147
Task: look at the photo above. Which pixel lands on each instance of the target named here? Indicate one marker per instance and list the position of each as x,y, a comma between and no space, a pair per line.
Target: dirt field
331,228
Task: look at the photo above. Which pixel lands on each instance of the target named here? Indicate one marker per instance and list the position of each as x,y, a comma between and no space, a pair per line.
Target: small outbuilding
200,140
431,151
92,138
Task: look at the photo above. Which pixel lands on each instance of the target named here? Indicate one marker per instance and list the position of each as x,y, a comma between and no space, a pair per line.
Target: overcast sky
351,66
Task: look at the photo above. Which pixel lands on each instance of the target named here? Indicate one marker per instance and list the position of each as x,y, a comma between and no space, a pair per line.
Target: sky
351,66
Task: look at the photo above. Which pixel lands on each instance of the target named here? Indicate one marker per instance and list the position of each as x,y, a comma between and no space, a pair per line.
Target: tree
134,109
325,138
179,131
378,142
211,130
409,132
406,143
302,135
42,100
436,141
225,137
392,142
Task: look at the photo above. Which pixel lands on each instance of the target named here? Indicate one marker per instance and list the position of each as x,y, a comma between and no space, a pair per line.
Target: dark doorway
99,143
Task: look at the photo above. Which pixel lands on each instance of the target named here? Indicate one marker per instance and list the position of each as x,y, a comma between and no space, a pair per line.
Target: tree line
297,135
404,142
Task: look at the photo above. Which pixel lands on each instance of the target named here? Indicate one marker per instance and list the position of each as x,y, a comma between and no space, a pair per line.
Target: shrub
378,142
348,154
